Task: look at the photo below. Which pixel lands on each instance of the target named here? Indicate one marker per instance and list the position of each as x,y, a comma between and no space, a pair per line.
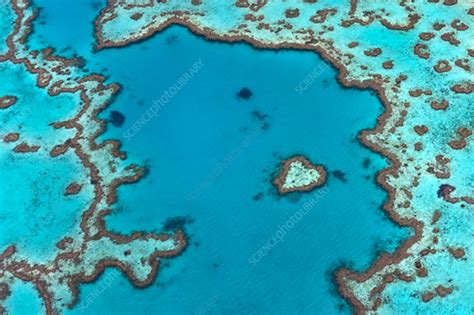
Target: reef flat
418,57
51,160
298,174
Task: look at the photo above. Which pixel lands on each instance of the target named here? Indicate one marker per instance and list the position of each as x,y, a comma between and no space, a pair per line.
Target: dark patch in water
340,175
444,190
259,115
244,94
65,49
258,196
96,5
265,126
366,163
263,118
294,197
341,307
175,223
171,39
116,118
118,209
379,247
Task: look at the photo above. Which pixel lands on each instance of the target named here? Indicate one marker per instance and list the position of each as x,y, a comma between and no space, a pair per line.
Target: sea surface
211,157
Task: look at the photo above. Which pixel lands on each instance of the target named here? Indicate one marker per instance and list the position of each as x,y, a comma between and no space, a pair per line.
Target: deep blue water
195,172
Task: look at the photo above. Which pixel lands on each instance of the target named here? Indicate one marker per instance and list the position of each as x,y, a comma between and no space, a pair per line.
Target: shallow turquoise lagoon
32,197
211,156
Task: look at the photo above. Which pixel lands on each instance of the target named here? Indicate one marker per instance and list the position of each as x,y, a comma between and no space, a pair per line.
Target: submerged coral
67,137
298,174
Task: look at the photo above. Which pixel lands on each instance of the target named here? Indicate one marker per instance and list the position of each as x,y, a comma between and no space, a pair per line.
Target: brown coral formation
421,129
25,148
4,291
373,52
7,101
463,88
457,253
11,137
292,13
440,168
460,143
421,50
439,105
73,189
426,36
136,16
283,177
442,66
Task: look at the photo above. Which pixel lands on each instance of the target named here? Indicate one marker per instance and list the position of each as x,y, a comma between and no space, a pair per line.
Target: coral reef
417,56
298,174
83,255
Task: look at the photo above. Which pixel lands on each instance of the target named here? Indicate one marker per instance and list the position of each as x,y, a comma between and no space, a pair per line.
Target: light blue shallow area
190,149
33,184
6,23
34,213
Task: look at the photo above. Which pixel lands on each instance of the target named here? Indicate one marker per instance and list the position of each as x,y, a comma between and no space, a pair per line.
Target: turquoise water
30,207
24,299
211,154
